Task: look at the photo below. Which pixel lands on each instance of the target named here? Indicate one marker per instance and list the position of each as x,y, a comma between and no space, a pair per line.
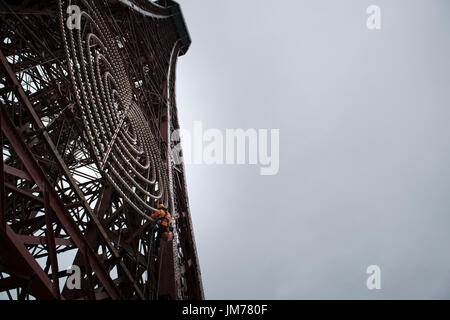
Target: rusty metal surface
85,119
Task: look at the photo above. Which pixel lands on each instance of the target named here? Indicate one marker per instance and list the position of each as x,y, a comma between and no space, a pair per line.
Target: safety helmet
161,206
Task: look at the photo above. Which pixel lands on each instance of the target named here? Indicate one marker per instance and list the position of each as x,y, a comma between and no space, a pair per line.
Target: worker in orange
163,220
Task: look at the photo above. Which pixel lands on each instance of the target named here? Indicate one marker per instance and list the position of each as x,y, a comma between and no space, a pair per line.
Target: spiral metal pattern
118,133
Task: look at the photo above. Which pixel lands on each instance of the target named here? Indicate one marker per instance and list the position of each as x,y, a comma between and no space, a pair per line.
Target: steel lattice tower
87,115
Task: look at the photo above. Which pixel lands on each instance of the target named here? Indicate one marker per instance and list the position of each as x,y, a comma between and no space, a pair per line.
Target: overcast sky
364,147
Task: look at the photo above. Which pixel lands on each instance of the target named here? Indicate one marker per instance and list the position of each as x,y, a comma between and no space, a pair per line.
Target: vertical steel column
2,185
51,247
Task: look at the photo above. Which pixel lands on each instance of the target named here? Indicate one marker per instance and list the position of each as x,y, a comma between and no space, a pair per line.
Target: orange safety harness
163,217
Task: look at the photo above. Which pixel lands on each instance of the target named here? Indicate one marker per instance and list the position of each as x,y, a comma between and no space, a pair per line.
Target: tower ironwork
87,110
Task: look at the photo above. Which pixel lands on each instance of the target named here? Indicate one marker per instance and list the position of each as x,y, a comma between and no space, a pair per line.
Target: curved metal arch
156,11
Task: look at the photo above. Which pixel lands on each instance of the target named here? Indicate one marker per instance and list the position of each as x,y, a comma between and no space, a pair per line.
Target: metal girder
55,153
54,201
24,265
57,192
